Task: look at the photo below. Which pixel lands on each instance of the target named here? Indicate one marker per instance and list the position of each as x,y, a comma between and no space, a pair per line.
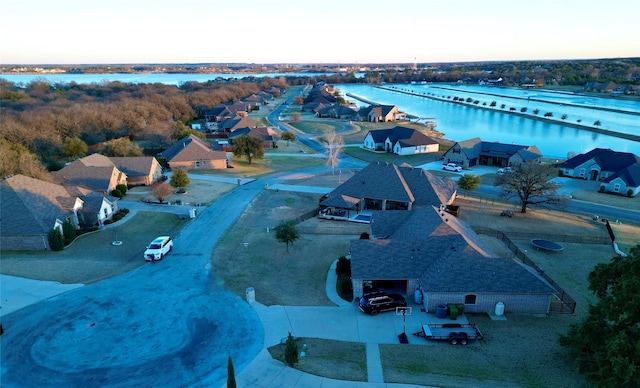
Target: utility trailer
455,333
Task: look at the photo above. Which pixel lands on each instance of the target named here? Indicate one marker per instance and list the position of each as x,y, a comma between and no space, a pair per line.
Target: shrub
116,193
122,188
291,351
344,287
69,232
601,189
124,210
343,266
629,193
364,236
107,222
56,240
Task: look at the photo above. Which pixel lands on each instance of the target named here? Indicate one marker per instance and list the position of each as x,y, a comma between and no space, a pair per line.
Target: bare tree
531,181
295,117
334,146
161,190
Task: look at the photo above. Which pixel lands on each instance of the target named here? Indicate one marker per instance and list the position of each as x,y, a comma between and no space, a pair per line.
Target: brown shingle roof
191,148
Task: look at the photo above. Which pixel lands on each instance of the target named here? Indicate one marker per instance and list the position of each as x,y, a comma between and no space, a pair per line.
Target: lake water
456,121
147,78
460,122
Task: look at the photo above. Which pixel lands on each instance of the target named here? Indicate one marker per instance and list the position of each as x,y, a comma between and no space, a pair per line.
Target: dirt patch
197,192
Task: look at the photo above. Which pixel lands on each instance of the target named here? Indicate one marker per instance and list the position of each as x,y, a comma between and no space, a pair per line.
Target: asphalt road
168,323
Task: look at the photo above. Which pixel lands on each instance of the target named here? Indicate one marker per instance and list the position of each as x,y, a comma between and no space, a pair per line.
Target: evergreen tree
291,351
606,344
180,179
287,233
231,374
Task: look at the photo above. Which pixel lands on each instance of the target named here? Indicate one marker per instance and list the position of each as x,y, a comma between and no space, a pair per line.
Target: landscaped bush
69,232
122,188
601,189
343,266
344,287
56,240
124,210
364,236
629,193
116,193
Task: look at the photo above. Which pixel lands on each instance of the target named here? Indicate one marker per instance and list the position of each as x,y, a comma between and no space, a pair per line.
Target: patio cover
340,201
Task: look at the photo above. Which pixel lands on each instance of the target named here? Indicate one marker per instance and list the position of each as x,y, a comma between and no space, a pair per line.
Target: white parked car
451,167
158,248
505,170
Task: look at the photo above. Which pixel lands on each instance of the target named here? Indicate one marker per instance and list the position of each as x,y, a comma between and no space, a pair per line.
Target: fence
564,304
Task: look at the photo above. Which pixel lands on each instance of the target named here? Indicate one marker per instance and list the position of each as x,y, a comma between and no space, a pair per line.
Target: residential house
193,153
218,113
474,152
268,136
415,244
400,140
95,172
233,123
430,250
619,172
380,114
385,186
32,207
140,170
336,111
600,87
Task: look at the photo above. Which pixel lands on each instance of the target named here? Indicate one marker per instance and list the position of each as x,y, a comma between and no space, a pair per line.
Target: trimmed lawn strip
316,128
329,358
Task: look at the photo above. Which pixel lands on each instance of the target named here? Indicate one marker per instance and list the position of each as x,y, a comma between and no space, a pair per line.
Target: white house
400,141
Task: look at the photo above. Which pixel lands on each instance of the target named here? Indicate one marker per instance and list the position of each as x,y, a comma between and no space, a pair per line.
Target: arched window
470,299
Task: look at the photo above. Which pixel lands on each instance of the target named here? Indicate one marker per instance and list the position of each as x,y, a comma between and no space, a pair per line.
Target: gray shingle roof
382,181
607,159
31,206
191,148
443,253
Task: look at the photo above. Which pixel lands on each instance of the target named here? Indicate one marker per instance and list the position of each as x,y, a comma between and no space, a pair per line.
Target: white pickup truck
451,167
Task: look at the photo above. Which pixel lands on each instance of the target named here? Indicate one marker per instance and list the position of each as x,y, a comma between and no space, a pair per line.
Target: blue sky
327,31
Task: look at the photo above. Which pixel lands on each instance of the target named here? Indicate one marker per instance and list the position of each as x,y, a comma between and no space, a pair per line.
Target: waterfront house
474,152
618,172
400,140
380,114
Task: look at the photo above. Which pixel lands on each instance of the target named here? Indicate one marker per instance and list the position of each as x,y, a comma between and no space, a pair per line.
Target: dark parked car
373,304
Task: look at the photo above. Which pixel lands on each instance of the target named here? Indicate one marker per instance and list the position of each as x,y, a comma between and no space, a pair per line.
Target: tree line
39,117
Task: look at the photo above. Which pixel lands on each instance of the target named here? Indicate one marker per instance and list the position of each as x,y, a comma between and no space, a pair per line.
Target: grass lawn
92,257
369,156
315,127
334,359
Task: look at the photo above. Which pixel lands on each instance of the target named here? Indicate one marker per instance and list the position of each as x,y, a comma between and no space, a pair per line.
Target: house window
106,213
470,299
616,187
197,163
